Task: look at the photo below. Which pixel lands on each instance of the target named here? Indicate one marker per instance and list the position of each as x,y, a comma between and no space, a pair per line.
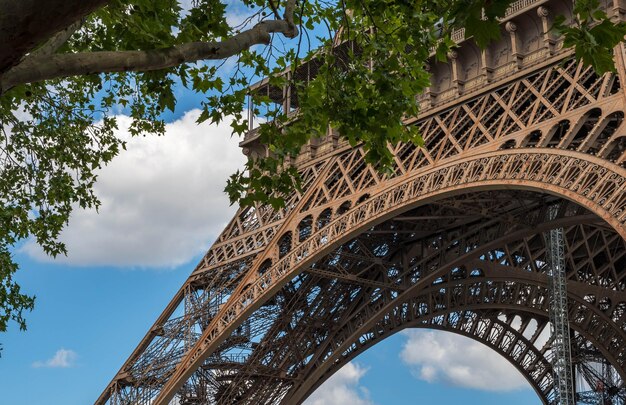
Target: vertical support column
334,136
287,94
457,81
557,280
516,46
548,37
486,62
429,96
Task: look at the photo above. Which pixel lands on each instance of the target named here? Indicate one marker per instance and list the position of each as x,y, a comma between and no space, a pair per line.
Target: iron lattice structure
453,239
561,345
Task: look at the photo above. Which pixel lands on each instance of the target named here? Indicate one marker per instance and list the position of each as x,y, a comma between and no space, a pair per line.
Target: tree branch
57,40
26,24
289,9
64,65
274,8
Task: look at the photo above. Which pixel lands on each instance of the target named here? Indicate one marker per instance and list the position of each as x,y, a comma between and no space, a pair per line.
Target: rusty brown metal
452,239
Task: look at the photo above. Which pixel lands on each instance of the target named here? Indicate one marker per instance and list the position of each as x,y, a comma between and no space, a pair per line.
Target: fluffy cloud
435,356
162,199
342,388
63,358
236,12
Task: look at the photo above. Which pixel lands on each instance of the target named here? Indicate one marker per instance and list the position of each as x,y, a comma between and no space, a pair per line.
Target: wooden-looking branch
274,8
57,40
289,10
26,24
43,65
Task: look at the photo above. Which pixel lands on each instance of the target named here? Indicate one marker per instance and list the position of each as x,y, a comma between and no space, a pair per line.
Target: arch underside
472,264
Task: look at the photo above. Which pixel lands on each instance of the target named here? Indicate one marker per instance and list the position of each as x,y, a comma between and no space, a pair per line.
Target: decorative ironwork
451,239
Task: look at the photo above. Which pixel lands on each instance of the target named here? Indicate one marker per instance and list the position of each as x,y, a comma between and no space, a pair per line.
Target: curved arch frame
543,378
391,318
577,292
592,182
499,239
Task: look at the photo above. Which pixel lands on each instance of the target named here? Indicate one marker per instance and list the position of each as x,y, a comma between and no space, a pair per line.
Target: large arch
495,235
500,335
591,182
575,287
414,312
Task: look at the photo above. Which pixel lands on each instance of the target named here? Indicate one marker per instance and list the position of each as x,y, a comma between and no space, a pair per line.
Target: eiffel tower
519,139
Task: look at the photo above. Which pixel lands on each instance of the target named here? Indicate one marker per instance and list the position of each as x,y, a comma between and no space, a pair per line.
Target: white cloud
63,358
162,199
436,356
237,13
342,388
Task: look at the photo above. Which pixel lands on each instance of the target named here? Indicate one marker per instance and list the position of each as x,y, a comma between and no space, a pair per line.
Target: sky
162,206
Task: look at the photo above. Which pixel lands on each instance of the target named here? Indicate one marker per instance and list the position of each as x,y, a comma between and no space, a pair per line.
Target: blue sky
162,207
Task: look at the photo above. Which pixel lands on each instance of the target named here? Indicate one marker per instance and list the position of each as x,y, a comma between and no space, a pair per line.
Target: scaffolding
557,283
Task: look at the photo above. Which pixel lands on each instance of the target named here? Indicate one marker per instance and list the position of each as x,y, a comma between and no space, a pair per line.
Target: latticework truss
452,239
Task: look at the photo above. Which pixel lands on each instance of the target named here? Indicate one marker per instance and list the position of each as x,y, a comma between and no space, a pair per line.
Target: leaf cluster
592,34
56,135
